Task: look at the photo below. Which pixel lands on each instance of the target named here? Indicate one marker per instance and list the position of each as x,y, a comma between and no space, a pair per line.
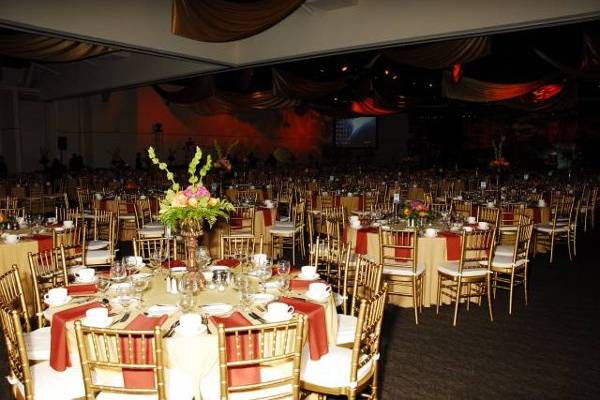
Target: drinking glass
139,285
118,273
283,267
103,286
244,288
125,296
264,273
186,301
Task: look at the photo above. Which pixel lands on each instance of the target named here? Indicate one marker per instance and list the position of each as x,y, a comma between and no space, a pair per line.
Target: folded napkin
228,262
245,375
300,284
82,289
317,325
173,263
362,239
142,353
44,241
453,245
59,351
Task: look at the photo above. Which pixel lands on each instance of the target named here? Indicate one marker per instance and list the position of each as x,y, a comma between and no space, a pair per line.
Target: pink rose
199,192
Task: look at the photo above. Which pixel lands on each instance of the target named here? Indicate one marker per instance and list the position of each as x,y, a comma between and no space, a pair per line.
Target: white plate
179,269
308,278
217,309
161,309
179,331
142,275
270,318
262,298
78,280
68,299
107,323
218,268
320,299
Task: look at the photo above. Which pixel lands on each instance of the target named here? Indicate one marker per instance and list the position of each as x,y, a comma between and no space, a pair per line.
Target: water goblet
264,273
283,267
118,273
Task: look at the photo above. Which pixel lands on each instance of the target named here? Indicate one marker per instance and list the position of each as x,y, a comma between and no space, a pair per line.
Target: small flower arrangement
499,162
414,209
222,161
189,207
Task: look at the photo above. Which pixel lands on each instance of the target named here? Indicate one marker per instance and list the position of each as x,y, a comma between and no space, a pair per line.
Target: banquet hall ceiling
147,51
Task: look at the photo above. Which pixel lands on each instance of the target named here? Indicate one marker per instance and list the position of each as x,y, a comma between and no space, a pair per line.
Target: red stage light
457,73
547,91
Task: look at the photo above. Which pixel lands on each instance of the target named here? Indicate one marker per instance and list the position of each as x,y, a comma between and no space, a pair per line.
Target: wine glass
139,285
264,273
283,267
118,273
103,286
244,288
125,295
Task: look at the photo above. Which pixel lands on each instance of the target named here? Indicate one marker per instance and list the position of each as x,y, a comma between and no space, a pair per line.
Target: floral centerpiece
223,161
187,209
416,209
499,162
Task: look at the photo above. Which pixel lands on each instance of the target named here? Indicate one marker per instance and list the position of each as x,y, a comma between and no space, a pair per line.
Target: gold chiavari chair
241,222
148,247
551,234
371,199
440,208
363,281
510,271
9,202
103,257
246,196
587,207
573,224
37,381
68,214
37,341
275,348
285,201
85,200
509,218
350,372
101,230
491,215
127,350
403,273
468,271
232,246
335,217
46,273
463,208
283,236
126,216
18,212
145,227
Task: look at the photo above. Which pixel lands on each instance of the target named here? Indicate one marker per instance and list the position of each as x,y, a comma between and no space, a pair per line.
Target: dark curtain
198,90
469,89
227,20
441,54
290,85
229,102
48,49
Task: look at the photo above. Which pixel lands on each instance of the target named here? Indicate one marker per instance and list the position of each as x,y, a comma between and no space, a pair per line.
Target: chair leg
551,248
458,289
489,298
525,284
569,244
510,293
414,297
439,289
293,250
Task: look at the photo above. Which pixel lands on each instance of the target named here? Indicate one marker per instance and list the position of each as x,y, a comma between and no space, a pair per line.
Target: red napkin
317,328
361,240
402,254
245,375
44,242
130,208
266,212
59,351
173,263
228,262
453,242
139,378
82,289
300,284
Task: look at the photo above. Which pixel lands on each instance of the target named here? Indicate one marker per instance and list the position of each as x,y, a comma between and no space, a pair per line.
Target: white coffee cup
190,322
309,271
208,276
51,220
430,232
11,239
541,203
97,316
278,309
68,224
319,289
468,228
259,259
135,260
56,296
85,274
472,220
491,204
483,226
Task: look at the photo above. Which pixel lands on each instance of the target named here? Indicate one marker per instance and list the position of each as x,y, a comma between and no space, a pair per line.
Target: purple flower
201,191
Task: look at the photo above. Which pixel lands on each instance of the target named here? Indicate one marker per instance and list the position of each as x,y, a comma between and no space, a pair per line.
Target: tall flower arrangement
499,162
414,209
188,208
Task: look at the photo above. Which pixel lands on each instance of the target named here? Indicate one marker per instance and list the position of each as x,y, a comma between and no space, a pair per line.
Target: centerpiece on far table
415,210
186,210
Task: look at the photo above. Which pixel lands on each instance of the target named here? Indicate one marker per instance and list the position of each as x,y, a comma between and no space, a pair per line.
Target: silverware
122,319
172,328
257,317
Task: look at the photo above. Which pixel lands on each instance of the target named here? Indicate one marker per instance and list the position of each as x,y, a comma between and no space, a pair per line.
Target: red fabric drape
469,89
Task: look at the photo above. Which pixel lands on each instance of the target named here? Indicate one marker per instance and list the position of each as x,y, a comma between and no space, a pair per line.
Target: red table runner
266,212
173,263
362,242
82,289
317,325
140,378
44,241
244,375
59,350
453,242
302,284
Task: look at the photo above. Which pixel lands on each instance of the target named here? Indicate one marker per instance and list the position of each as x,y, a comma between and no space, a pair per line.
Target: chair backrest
476,246
366,281
63,214
120,349
246,195
236,246
523,241
463,208
101,225
146,247
242,220
261,346
398,247
334,221
491,215
84,199
439,208
11,293
18,362
365,350
48,270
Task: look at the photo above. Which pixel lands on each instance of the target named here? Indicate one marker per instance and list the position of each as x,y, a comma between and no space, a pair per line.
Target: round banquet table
196,356
350,203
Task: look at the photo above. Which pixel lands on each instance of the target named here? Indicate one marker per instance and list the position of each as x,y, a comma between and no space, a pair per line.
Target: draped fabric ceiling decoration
227,20
47,49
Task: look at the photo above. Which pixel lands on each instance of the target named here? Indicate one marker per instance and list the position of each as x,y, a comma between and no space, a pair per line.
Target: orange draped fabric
227,20
469,89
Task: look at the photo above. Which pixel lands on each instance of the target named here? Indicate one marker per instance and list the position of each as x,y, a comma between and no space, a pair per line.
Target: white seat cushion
49,384
547,228
332,369
127,216
241,235
504,250
98,256
151,232
402,270
284,223
508,228
155,225
282,230
97,244
284,218
346,329
451,268
178,385
210,387
37,343
504,262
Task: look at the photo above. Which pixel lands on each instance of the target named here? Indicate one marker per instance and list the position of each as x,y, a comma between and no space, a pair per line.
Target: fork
123,319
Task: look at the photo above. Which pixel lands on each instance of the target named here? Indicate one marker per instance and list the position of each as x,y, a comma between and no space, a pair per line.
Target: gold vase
191,230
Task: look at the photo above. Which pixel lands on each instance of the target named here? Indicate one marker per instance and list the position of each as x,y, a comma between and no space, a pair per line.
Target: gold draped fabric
227,20
290,85
441,54
48,49
228,102
469,89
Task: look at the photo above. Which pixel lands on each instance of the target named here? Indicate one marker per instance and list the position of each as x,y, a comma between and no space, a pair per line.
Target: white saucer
180,331
319,299
106,323
78,280
280,318
218,268
161,309
217,309
262,298
179,269
308,278
68,299
274,284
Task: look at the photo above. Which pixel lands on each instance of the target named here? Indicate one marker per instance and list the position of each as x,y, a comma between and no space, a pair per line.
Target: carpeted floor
547,350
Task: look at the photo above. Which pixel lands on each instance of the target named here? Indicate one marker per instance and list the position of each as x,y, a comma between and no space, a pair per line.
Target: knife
172,328
257,317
